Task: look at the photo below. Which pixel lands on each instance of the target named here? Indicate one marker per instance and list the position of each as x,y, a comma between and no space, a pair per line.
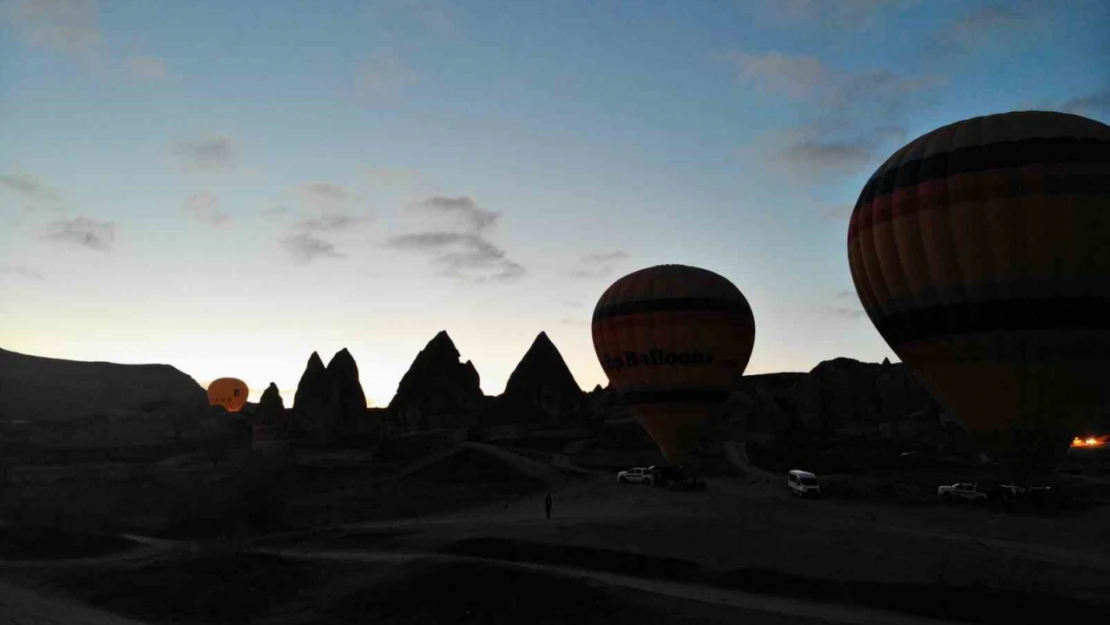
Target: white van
803,484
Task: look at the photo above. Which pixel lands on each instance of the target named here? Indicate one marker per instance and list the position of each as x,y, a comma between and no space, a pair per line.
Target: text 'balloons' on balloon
981,252
674,341
231,393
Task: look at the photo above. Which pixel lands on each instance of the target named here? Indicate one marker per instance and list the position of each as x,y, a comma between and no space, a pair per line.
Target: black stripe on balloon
1057,313
674,397
672,305
979,158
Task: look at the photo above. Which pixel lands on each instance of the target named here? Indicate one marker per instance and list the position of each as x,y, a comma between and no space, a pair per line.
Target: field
462,537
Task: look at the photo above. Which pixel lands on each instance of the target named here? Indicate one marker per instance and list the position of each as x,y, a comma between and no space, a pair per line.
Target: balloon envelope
981,252
231,393
674,341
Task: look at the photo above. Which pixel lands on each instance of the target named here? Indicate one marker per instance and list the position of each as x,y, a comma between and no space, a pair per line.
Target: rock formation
347,407
438,390
840,404
271,407
329,402
541,391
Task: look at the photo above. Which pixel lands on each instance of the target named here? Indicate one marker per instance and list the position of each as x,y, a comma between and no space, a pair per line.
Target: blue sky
227,187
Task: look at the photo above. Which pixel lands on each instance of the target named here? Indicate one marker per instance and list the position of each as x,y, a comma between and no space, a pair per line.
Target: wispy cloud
843,312
461,251
330,223
145,67
463,209
1094,104
1009,24
847,294
383,77
567,321
202,206
846,132
430,13
837,212
461,254
207,154
69,26
598,265
21,271
394,177
327,191
306,248
35,192
843,14
276,211
84,232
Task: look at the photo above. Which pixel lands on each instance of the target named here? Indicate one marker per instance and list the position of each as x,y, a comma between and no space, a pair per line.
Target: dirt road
750,608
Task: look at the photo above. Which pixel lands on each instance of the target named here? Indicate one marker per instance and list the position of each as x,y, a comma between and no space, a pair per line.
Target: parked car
803,484
961,491
638,475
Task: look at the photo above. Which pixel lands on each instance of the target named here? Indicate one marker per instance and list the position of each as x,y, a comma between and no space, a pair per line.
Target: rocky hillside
109,440
540,391
329,403
438,390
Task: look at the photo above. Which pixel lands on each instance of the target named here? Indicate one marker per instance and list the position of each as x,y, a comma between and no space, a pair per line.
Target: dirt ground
647,554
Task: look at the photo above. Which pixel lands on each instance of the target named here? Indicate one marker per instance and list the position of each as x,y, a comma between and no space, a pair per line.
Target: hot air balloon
674,341
981,252
231,393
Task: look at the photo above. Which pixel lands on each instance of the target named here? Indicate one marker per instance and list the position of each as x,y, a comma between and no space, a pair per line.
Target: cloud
276,211
383,77
837,212
847,294
855,116
1093,104
23,272
472,216
84,232
430,13
394,177
573,322
327,191
145,67
306,248
68,26
854,14
458,253
330,223
775,72
35,192
203,207
1009,23
207,154
844,313
598,265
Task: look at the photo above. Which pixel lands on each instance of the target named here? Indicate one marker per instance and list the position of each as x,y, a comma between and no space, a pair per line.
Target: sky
228,187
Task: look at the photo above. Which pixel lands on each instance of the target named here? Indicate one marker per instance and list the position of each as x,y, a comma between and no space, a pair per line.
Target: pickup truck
962,491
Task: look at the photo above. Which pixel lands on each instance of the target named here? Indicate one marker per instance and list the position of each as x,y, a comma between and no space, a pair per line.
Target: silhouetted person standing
547,505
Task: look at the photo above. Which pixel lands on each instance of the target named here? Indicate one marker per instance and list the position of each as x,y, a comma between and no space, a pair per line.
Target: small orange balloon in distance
231,393
674,341
979,251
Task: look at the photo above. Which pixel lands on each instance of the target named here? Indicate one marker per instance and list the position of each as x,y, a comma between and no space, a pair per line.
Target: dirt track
750,608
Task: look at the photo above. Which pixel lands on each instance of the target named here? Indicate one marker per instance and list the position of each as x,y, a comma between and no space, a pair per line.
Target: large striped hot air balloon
231,393
674,341
981,252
